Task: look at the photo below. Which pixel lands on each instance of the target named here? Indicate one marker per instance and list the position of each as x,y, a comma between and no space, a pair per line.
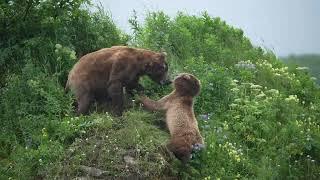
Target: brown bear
102,74
180,118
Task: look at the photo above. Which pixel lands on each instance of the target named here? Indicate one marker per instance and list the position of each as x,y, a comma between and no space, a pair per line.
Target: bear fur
180,118
101,75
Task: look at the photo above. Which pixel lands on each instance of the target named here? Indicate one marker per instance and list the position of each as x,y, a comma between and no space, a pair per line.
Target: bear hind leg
115,91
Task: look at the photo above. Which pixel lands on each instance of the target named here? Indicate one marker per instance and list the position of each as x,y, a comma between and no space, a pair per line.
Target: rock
91,171
129,160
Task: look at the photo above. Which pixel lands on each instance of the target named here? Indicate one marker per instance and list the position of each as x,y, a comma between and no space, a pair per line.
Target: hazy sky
284,26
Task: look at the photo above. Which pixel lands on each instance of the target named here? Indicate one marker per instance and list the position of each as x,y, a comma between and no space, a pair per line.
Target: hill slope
259,118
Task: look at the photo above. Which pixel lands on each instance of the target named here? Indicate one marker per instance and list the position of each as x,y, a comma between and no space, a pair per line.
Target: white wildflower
302,68
254,86
58,46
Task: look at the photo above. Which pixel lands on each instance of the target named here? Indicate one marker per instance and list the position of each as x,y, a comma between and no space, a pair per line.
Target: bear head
187,85
157,68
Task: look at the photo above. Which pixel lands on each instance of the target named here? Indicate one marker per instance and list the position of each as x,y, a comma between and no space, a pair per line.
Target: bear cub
180,117
102,75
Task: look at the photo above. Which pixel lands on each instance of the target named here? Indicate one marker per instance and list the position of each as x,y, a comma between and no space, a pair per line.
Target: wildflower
233,105
273,91
234,89
73,55
245,65
206,127
204,116
58,46
225,126
261,95
237,117
247,83
302,68
219,130
253,86
234,82
237,158
292,98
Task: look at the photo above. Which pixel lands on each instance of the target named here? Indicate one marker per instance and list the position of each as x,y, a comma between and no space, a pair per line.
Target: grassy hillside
259,118
311,61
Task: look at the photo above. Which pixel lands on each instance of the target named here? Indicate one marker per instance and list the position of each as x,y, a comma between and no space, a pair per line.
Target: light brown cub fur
180,118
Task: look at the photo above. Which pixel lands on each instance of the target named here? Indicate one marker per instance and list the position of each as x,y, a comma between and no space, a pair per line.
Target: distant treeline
312,61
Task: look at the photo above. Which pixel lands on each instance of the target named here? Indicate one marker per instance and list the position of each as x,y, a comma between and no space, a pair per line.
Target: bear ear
186,76
163,52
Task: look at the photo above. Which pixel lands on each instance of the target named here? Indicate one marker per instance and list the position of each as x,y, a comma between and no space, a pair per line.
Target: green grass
259,118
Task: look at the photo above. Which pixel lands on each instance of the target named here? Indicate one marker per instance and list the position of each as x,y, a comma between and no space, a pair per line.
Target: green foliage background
311,61
259,118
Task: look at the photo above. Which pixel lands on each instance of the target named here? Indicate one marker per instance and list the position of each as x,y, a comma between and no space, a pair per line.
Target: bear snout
165,82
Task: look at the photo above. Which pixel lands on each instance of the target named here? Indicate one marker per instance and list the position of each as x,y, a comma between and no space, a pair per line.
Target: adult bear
102,74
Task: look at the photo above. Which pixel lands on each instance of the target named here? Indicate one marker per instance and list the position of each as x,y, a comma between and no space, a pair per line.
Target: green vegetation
310,61
259,118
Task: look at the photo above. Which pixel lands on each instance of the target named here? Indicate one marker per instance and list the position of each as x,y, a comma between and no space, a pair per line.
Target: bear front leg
134,85
116,93
151,104
84,101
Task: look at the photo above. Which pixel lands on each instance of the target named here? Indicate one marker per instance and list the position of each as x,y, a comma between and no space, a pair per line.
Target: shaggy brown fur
102,74
180,118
